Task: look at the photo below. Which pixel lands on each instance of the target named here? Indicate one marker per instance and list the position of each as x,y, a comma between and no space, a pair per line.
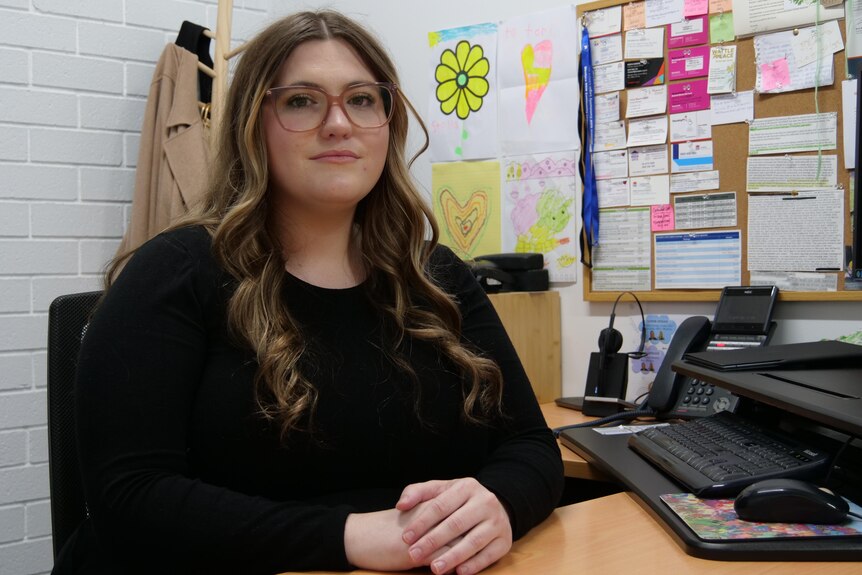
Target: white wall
74,78
73,83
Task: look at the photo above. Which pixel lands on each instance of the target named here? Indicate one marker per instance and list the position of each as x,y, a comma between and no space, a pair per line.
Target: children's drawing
466,204
465,223
540,207
462,113
461,82
538,71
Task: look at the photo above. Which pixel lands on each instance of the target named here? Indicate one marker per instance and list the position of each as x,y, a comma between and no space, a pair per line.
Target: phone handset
691,335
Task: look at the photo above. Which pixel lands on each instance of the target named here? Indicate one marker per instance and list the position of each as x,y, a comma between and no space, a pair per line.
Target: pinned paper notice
774,75
634,16
814,40
606,49
688,33
731,108
661,12
661,218
721,28
695,8
607,107
650,190
688,96
716,6
604,22
644,43
722,70
771,49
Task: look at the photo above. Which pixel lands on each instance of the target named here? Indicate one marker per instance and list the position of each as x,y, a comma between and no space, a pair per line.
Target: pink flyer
688,63
689,32
688,96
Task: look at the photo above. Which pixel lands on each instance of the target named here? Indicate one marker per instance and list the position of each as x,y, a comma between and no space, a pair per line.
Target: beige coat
173,156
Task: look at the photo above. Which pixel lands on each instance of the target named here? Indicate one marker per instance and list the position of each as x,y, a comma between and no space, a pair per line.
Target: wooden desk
573,464
613,535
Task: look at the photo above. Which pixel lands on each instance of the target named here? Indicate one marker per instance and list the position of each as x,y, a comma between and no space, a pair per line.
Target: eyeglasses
304,108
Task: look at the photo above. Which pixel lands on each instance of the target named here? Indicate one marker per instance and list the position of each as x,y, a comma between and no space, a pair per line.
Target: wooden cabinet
532,320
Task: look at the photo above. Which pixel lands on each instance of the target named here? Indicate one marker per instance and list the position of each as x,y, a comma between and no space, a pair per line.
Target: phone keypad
702,398
698,393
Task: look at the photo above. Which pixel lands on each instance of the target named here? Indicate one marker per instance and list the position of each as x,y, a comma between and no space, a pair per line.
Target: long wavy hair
393,222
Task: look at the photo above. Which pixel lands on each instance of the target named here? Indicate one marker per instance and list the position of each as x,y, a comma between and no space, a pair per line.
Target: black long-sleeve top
183,474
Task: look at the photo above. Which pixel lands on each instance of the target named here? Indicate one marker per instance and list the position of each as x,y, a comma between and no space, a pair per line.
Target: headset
611,340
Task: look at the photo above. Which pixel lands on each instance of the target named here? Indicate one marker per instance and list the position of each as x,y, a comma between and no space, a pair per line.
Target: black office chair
67,322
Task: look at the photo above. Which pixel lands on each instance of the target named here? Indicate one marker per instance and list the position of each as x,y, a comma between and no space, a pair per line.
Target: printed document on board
791,173
785,134
801,231
758,16
698,260
622,260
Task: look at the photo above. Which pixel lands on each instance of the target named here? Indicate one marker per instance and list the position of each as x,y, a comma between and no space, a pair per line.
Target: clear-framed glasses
304,108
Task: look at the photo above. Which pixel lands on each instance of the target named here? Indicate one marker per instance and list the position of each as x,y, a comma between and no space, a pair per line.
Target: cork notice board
730,145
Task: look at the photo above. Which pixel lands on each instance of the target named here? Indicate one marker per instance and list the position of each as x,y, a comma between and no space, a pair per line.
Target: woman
294,378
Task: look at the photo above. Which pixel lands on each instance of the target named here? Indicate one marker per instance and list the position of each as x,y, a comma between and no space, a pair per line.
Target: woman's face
332,167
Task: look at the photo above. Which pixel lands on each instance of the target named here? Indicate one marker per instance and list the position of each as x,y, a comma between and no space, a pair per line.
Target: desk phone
743,319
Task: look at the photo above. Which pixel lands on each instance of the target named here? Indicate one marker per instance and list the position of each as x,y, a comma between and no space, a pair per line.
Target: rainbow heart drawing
536,61
465,222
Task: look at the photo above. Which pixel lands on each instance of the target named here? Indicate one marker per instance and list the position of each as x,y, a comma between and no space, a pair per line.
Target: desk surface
573,464
614,535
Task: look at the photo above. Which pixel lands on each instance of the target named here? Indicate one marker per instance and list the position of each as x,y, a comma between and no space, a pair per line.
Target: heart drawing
537,72
465,222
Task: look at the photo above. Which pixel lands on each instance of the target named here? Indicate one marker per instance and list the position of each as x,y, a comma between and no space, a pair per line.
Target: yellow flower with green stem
461,82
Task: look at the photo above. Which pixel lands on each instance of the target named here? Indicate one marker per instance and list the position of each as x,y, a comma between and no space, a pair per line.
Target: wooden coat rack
223,53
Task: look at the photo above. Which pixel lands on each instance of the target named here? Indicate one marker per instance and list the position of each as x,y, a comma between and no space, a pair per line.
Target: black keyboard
718,456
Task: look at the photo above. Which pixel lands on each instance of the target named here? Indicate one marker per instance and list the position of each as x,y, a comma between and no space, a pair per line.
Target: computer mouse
790,501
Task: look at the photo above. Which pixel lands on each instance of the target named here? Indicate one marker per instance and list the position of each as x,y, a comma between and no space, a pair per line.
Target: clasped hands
454,526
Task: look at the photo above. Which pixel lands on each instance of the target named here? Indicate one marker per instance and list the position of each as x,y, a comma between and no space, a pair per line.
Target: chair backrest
67,320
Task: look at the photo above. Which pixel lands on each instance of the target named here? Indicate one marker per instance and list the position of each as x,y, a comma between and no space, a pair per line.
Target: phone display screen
745,309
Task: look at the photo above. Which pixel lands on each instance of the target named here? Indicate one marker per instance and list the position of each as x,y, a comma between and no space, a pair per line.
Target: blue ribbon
590,212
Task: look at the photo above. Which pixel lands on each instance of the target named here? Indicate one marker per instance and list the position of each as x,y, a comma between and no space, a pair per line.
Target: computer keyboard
718,456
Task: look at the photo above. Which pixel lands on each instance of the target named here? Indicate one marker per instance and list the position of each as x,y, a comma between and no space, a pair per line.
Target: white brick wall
74,78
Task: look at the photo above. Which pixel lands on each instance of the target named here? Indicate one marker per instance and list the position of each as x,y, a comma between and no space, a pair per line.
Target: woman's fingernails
438,566
408,537
416,553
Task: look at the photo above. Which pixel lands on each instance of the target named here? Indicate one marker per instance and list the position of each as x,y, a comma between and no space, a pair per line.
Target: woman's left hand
462,514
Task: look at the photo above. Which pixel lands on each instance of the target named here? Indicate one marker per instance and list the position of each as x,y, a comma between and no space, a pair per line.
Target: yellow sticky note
721,28
467,205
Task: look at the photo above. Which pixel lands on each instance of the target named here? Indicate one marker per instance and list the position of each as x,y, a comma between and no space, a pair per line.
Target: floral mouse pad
715,519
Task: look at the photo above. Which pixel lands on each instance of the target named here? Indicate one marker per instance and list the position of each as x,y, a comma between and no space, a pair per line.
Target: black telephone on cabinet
743,318
670,388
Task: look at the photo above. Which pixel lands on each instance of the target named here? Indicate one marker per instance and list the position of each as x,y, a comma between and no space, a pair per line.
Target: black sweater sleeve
525,470
141,360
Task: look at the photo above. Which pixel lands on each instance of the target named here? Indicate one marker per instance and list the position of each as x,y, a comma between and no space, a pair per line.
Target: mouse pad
715,519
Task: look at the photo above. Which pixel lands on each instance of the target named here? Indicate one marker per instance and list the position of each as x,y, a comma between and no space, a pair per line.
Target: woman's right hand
374,540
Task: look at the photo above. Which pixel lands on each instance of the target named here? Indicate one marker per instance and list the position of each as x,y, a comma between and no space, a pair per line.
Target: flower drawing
461,82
